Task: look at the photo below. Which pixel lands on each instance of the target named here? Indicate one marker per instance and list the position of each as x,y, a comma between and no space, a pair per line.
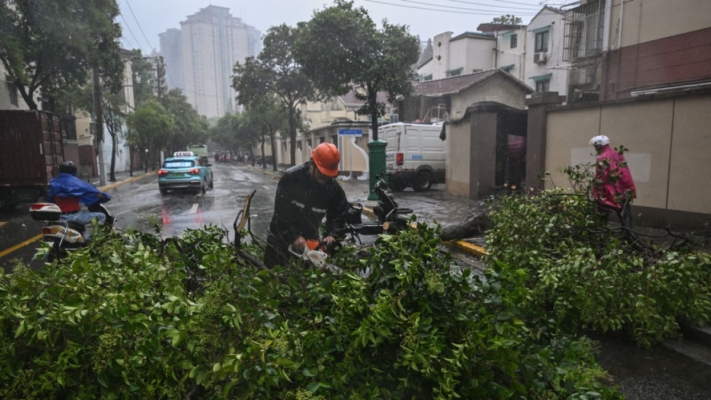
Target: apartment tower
212,41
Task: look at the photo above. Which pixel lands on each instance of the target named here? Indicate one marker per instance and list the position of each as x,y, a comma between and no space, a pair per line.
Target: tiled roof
456,84
491,27
474,35
351,99
452,85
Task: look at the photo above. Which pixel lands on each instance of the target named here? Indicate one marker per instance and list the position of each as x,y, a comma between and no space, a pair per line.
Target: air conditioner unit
539,58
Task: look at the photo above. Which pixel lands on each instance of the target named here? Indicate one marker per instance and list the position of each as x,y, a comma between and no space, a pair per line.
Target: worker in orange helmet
305,195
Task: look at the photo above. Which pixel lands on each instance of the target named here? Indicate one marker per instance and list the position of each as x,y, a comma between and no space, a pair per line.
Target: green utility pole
376,164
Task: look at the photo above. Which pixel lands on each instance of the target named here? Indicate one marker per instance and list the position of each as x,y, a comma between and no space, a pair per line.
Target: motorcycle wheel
397,186
423,181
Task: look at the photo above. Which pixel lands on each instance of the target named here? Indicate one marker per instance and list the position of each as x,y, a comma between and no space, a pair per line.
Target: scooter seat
404,210
77,226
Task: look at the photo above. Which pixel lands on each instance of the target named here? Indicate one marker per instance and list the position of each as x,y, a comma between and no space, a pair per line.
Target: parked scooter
63,236
390,215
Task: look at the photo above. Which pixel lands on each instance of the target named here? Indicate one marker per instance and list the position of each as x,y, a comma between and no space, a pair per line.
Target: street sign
350,132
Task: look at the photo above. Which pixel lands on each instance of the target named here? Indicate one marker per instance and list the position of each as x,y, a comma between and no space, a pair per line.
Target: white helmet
601,140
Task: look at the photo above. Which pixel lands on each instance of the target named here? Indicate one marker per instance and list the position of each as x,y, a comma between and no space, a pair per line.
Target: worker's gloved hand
328,241
299,244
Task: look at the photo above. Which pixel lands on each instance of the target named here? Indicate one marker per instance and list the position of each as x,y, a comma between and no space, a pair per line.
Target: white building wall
554,64
427,69
479,54
5,94
506,55
471,54
457,58
440,61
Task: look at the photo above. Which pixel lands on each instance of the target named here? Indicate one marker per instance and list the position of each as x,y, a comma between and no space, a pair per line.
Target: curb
129,180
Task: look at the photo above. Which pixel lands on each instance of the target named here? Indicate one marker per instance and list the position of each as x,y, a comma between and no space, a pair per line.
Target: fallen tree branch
472,226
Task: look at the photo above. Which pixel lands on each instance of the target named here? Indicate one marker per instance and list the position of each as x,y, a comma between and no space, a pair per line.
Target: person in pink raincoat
613,187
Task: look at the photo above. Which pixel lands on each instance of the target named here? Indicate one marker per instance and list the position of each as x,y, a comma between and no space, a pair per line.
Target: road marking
116,184
36,238
266,187
19,246
194,209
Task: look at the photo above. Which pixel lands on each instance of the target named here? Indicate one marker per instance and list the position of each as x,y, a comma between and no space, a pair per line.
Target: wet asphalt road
139,205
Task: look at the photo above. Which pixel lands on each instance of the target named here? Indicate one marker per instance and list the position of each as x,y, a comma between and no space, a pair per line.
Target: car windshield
179,164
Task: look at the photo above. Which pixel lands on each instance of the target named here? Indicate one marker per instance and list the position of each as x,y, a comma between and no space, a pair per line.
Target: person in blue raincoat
68,192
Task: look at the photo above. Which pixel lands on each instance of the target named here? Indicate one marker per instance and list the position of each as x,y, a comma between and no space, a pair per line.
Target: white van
415,155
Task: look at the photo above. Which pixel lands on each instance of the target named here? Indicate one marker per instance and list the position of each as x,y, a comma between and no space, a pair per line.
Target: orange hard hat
326,157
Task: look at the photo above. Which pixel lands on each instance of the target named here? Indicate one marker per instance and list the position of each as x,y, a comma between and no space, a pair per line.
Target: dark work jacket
301,203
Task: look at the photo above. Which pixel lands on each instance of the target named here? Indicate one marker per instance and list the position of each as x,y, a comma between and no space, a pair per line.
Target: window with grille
584,30
514,41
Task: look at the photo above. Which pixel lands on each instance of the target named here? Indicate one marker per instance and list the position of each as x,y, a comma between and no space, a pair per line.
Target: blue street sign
350,132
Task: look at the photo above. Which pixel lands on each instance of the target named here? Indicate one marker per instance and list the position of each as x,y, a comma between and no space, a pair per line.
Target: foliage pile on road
133,316
578,270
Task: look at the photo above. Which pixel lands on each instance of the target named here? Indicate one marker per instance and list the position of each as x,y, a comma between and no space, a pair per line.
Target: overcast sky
156,16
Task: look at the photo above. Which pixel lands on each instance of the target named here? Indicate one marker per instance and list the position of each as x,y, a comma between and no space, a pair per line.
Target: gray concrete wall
482,165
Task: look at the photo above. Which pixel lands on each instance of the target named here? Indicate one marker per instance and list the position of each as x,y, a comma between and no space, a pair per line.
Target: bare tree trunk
264,159
292,136
272,139
112,175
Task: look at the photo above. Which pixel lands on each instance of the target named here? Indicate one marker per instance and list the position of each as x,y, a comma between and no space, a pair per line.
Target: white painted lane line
266,187
194,210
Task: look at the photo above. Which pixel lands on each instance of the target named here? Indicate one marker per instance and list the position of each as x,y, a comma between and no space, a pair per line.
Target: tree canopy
50,45
276,73
268,117
152,126
507,19
190,127
341,47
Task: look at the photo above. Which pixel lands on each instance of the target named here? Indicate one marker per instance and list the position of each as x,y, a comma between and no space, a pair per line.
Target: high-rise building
212,42
171,48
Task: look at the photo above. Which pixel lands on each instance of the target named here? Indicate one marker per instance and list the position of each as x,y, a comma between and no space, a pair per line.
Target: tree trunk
472,226
272,139
112,175
264,159
373,103
292,135
26,96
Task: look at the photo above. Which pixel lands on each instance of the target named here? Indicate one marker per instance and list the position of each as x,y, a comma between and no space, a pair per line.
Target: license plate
178,174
